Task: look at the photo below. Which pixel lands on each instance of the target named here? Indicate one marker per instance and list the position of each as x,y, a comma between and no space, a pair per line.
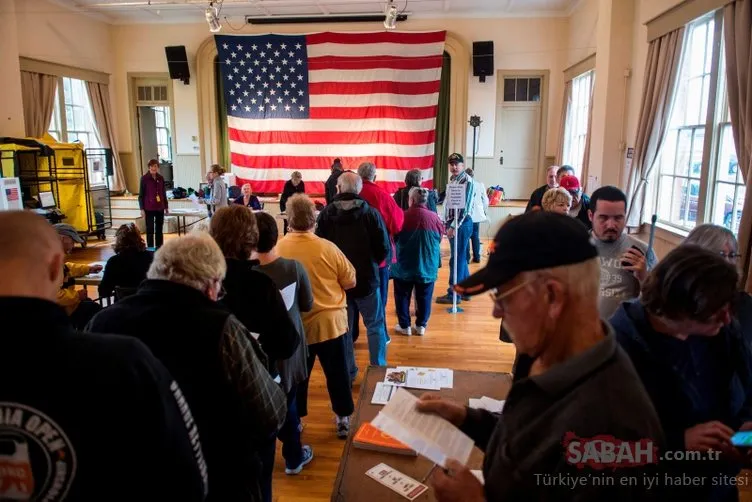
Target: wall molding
207,102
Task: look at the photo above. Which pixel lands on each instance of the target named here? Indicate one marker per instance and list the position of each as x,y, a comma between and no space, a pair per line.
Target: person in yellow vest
77,305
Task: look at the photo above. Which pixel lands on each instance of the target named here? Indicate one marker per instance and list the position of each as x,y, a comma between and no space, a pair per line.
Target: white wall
11,107
582,32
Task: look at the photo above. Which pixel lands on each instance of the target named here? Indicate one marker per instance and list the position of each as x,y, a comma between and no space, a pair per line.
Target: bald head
350,183
31,256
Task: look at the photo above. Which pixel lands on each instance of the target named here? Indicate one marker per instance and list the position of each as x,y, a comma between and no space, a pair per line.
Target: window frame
60,116
712,126
573,114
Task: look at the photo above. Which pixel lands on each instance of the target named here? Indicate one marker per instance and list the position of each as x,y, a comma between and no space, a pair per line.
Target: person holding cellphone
152,201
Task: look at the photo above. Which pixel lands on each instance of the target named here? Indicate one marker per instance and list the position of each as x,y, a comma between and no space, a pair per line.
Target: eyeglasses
730,256
222,293
496,296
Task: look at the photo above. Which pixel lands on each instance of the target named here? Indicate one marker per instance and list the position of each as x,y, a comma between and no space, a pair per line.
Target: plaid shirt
265,404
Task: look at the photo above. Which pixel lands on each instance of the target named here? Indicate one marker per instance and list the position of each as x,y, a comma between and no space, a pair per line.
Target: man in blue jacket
359,231
689,353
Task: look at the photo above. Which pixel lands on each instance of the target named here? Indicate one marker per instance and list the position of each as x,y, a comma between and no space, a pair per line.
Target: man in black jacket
237,405
330,186
82,417
536,197
358,230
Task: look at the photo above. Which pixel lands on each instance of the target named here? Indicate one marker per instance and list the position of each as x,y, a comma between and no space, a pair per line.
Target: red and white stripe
373,97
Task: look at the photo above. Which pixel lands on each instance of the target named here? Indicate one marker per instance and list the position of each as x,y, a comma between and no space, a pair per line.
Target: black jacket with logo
221,371
359,232
88,417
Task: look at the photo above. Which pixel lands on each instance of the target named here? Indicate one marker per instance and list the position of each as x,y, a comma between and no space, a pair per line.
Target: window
578,120
697,178
522,89
162,120
72,117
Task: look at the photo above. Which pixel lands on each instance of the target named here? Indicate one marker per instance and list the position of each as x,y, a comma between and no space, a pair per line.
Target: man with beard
623,262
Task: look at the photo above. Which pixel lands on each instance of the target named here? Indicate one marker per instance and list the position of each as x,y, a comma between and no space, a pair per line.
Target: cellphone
742,439
626,263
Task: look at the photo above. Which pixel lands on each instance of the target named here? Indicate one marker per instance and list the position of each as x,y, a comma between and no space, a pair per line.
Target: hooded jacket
358,231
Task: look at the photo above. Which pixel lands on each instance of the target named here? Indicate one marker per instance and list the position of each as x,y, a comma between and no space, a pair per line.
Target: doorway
520,124
154,125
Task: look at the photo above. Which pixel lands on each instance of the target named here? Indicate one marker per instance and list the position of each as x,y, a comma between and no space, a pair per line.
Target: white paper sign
10,194
288,295
455,196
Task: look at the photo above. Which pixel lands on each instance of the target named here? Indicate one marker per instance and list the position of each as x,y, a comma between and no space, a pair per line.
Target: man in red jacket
393,216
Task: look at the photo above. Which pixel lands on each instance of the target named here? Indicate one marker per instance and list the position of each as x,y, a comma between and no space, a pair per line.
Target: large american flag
296,102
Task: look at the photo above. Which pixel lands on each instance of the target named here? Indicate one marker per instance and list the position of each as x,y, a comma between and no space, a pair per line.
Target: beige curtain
99,94
737,24
38,94
658,89
563,121
586,150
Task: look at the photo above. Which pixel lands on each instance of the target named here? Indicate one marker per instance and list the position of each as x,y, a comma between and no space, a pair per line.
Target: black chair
121,292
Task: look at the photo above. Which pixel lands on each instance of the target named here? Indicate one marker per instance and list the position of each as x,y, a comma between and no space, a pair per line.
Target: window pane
698,146
697,47
668,152
694,115
69,118
682,201
665,191
535,87
67,90
521,94
727,162
681,167
509,88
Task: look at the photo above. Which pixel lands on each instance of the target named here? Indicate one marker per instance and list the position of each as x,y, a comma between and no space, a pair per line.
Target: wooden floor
465,341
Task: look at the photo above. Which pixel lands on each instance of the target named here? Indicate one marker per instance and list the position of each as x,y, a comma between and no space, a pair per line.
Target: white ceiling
189,11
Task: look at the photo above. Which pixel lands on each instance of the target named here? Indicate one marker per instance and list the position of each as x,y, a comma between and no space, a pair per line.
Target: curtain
658,89
586,149
224,141
441,146
99,95
737,24
563,121
38,91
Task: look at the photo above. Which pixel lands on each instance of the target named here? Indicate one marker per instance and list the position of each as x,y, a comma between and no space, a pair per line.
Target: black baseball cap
456,158
532,241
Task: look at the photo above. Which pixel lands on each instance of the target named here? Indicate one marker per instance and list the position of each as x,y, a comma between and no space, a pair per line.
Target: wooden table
352,484
200,214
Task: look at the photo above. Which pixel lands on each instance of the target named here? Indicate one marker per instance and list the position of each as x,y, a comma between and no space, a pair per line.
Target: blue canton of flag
264,76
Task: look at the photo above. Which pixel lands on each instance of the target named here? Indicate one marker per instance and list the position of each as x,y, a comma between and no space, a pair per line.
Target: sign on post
455,196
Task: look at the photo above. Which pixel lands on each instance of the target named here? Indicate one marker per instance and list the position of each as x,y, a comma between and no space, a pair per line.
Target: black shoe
447,300
476,260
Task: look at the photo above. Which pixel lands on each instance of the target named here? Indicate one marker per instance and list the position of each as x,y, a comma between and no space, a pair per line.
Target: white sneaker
420,330
403,331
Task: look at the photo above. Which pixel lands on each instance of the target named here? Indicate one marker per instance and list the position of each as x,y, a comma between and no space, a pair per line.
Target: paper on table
383,393
396,376
395,480
444,376
288,295
419,378
428,434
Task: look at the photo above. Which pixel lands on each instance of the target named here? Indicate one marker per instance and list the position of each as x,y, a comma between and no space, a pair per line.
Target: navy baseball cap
532,241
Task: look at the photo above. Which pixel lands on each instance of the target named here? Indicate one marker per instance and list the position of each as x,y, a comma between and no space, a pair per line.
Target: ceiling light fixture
212,17
390,19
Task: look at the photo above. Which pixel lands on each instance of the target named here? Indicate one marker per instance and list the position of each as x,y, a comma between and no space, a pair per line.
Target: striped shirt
449,214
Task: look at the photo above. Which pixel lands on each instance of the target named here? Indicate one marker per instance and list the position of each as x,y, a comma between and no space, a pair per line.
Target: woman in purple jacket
152,200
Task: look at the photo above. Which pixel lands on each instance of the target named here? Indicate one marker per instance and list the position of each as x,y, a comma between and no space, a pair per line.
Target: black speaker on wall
483,59
177,62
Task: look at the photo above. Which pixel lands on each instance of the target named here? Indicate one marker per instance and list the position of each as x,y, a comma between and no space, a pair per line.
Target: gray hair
367,171
418,196
712,237
413,178
194,260
350,183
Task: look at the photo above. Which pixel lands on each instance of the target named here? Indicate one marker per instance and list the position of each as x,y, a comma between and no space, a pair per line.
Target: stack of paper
420,378
428,434
487,403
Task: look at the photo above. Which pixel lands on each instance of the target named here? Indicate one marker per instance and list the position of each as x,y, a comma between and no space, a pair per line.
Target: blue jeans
384,292
462,235
423,293
475,241
289,434
370,307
